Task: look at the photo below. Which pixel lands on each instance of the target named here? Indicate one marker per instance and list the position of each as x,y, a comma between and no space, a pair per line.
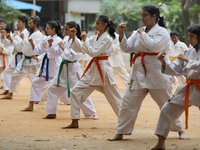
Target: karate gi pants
131,103
15,79
55,92
37,86
82,90
169,112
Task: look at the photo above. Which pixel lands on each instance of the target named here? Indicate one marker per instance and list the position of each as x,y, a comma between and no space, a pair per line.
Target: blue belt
18,53
47,67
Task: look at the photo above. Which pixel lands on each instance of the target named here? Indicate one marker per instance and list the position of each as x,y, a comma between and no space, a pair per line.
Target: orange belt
189,82
4,62
142,54
98,66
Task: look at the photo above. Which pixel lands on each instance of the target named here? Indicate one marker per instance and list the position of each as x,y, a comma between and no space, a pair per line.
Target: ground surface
28,131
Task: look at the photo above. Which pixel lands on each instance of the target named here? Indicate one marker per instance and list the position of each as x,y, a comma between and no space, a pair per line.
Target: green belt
25,57
60,70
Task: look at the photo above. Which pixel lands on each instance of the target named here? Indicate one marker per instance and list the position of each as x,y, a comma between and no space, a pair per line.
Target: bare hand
122,27
161,57
83,37
15,33
8,36
1,47
45,45
22,35
30,40
182,57
72,34
50,41
141,30
61,44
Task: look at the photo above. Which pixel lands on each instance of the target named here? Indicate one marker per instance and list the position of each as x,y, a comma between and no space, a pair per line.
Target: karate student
146,76
67,76
176,47
99,74
50,62
5,51
187,94
29,64
117,61
21,26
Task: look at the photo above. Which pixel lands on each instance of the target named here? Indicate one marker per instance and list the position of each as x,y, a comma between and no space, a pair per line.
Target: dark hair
36,19
73,24
115,26
57,26
195,28
6,29
174,33
110,25
3,20
41,28
23,19
152,9
85,30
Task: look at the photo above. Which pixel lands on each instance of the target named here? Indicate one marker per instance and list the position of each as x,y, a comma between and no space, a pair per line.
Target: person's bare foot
30,106
50,116
96,117
74,124
27,109
116,137
160,145
157,147
5,92
182,135
8,96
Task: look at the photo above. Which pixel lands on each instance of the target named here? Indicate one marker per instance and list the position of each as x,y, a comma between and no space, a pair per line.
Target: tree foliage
172,10
9,13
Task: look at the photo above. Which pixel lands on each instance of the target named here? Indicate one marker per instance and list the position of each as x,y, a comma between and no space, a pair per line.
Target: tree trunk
186,18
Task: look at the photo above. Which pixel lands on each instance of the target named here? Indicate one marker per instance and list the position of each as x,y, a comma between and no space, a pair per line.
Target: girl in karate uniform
50,63
99,74
187,94
146,76
67,76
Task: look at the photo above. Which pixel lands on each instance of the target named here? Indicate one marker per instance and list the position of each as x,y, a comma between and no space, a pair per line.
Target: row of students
146,76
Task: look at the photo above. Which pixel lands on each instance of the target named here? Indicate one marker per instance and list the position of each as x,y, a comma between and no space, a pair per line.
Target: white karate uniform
176,106
155,83
11,67
54,61
74,75
117,61
8,56
92,80
174,51
25,66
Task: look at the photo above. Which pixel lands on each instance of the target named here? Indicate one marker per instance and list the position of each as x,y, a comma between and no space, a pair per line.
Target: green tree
9,13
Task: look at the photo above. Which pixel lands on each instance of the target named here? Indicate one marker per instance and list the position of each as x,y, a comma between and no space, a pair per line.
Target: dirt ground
28,131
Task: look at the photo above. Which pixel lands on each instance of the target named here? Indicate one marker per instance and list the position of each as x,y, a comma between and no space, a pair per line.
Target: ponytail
161,22
57,26
110,25
111,29
73,24
78,32
59,31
